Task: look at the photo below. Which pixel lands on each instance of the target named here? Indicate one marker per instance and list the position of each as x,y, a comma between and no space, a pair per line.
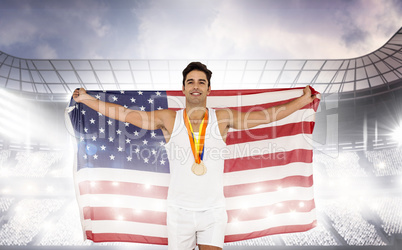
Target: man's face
196,87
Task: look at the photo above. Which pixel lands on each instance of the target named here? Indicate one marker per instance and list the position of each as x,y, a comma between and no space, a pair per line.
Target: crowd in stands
32,163
349,223
389,210
318,236
386,162
26,221
340,164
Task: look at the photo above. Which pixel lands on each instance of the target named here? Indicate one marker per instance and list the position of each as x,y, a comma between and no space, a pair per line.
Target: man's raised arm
146,120
247,120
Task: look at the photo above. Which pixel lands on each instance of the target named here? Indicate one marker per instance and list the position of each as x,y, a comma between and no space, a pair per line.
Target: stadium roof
376,72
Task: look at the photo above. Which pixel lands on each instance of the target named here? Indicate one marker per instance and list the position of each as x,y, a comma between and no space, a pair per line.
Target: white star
93,138
140,92
118,132
145,142
142,108
153,134
146,160
103,147
101,130
129,158
127,124
114,98
120,149
128,140
109,122
100,114
160,108
112,157
153,151
162,143
136,133
92,121
85,157
95,156
162,162
158,93
150,100
132,100
97,97
137,150
83,112
88,147
82,138
111,139
86,130
125,106
122,92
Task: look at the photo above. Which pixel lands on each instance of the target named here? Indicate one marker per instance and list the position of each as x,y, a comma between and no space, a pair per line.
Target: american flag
122,172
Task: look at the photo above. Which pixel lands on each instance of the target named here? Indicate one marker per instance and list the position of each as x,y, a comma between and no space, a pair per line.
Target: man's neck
195,113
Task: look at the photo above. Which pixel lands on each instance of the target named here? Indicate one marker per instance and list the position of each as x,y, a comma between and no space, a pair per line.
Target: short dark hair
197,66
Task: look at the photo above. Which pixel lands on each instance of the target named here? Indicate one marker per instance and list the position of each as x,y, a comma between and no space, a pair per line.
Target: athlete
196,213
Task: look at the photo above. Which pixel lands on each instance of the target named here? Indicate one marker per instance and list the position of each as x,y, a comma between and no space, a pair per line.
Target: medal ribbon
197,146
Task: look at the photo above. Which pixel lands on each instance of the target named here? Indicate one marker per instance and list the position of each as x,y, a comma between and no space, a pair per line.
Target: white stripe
277,145
123,175
239,100
126,227
239,202
266,174
286,219
270,198
69,109
122,201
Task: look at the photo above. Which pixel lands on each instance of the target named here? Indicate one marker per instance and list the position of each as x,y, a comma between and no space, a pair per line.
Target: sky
209,29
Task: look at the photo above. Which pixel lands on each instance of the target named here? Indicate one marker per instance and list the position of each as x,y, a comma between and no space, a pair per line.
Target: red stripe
125,214
258,213
268,186
115,237
289,129
123,188
271,231
268,160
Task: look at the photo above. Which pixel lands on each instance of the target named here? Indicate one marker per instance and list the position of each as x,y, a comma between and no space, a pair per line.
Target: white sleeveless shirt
187,190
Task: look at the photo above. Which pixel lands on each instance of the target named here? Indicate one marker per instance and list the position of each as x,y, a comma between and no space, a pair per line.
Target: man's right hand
80,94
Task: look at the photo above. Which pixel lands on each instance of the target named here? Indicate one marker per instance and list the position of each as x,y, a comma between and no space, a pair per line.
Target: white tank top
187,190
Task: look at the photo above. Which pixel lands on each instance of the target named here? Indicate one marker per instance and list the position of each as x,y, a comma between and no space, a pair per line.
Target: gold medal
199,168
197,146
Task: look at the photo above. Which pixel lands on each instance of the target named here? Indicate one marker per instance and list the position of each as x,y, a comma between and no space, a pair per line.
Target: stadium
357,139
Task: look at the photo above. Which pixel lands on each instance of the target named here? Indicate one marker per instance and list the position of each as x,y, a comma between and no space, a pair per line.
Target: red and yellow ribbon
197,145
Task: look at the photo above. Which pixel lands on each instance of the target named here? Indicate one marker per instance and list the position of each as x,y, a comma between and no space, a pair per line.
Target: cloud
18,32
261,30
181,29
73,30
45,51
98,27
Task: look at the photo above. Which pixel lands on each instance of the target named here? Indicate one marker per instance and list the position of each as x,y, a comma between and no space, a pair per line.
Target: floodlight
397,134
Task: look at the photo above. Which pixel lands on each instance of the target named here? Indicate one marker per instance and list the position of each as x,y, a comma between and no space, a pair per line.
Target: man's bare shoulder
167,115
166,118
226,113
